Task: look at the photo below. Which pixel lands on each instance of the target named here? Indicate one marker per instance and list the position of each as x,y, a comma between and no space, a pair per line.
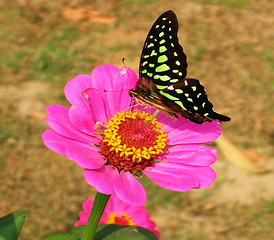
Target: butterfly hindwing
189,99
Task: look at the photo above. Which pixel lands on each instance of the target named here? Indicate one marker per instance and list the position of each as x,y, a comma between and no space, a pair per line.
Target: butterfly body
163,69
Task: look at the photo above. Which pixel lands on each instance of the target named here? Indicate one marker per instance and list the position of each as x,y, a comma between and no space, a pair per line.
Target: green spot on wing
162,58
149,74
151,65
150,45
162,68
144,63
195,108
165,78
179,91
162,41
170,97
160,87
194,88
153,53
190,99
144,71
174,80
178,63
180,104
161,34
162,49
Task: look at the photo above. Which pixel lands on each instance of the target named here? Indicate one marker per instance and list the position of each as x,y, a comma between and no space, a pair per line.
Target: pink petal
116,205
82,119
129,190
175,174
170,176
54,141
196,155
102,77
183,131
75,87
85,155
59,121
206,175
87,205
114,87
83,215
97,105
119,99
79,222
126,78
101,179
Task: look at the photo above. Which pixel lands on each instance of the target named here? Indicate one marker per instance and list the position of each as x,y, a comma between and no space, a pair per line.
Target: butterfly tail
219,117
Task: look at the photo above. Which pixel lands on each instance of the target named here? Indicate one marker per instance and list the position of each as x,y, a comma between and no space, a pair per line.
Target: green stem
97,210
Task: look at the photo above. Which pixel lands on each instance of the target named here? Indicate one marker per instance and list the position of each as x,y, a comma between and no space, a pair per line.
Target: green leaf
78,231
11,225
113,231
118,232
62,236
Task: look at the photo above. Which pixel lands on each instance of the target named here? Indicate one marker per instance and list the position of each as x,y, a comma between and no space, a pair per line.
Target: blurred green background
229,45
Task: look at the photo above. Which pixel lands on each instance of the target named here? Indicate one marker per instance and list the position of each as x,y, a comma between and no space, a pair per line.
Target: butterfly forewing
163,60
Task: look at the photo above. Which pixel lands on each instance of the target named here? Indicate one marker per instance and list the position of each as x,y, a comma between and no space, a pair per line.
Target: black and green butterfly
162,71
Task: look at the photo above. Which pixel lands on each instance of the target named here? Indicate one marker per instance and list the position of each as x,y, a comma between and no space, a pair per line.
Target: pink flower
116,142
118,212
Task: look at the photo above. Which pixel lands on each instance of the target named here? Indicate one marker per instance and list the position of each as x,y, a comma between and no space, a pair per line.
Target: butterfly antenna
118,90
123,61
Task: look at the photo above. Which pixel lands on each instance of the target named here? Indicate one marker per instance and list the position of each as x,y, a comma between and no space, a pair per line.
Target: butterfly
163,84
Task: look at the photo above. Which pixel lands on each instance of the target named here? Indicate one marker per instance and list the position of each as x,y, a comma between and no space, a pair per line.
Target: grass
228,44
237,4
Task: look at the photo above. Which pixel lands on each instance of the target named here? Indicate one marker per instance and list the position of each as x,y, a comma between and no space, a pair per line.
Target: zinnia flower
115,141
118,212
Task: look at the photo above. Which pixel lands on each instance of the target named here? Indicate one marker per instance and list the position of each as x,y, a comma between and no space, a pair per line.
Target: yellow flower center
121,219
132,140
